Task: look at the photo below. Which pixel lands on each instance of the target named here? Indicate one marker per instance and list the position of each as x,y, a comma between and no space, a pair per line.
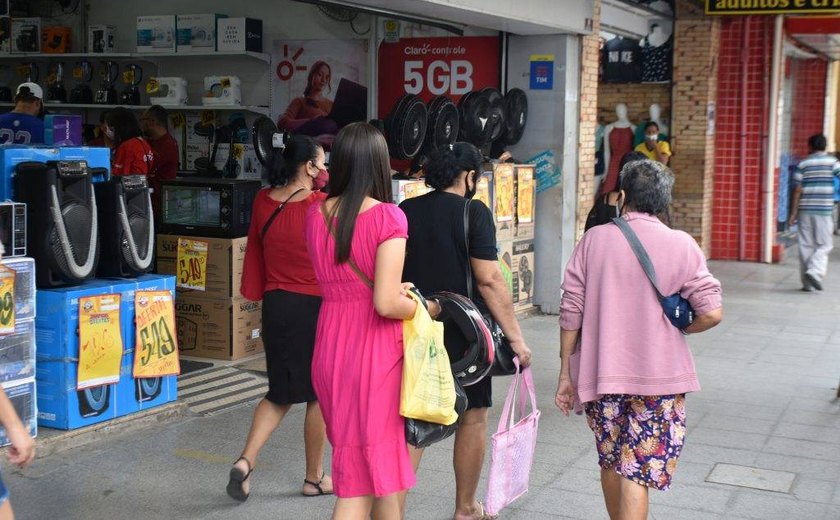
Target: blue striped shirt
815,174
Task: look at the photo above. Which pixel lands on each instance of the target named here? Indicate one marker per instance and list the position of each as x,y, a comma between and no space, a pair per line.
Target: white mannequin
655,115
621,122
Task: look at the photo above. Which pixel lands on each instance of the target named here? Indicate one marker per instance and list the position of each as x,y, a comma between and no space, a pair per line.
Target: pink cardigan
627,345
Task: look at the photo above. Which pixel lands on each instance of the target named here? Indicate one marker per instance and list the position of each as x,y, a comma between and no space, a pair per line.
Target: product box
408,189
63,130
156,34
25,35
11,155
24,268
101,38
505,252
219,328
526,196
484,189
56,40
225,261
192,152
504,184
197,32
96,157
239,35
523,269
17,352
22,394
247,165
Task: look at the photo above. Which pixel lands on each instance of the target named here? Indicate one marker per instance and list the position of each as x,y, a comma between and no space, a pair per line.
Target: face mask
321,180
109,133
653,138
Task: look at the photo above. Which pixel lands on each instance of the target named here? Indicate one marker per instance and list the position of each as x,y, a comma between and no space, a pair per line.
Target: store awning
821,33
527,17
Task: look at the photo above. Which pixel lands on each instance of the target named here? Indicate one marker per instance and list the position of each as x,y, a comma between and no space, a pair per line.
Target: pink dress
358,360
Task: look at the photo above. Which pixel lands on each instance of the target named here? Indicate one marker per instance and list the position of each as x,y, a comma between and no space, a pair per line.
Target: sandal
483,515
316,485
237,478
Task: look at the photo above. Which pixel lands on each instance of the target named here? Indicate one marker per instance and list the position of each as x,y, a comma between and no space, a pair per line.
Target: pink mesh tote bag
513,445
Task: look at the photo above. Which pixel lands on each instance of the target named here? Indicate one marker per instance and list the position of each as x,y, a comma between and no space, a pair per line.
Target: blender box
100,38
25,35
156,34
197,32
239,35
17,352
22,395
63,130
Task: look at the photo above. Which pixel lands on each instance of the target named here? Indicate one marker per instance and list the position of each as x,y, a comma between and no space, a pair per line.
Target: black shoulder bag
277,211
676,308
503,359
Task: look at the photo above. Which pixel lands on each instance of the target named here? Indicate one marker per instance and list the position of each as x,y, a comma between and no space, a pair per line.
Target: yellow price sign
153,86
128,77
78,73
482,190
177,120
208,117
156,347
192,264
504,184
24,70
52,79
100,341
525,194
7,300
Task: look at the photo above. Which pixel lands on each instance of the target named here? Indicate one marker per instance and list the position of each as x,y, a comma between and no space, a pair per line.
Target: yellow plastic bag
428,387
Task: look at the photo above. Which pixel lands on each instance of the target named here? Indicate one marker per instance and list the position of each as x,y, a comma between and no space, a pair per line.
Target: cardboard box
24,268
197,32
219,328
408,189
504,204
25,35
156,34
56,40
526,196
101,38
523,274
17,352
22,394
239,35
225,261
245,157
505,251
63,130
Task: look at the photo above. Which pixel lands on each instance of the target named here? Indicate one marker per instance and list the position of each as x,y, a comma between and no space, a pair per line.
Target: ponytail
284,166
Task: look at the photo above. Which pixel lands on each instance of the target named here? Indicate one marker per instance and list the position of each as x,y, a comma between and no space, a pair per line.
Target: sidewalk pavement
769,374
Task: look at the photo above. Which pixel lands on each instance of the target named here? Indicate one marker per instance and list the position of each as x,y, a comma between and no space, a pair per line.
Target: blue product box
96,157
63,130
22,395
12,155
17,352
60,405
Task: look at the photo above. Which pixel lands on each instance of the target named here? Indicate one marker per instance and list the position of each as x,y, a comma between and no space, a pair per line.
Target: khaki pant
815,243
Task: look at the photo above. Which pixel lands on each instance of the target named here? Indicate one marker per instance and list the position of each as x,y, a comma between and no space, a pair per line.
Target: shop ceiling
821,33
526,17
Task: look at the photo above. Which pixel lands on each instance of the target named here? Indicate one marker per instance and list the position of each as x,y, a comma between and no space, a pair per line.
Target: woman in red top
278,271
132,154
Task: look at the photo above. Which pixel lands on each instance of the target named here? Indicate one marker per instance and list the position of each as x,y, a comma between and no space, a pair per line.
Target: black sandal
316,485
237,478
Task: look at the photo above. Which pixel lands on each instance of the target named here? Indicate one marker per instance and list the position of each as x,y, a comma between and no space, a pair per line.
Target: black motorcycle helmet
458,310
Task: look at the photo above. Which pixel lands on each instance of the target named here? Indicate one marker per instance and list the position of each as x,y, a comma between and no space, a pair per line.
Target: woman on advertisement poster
309,114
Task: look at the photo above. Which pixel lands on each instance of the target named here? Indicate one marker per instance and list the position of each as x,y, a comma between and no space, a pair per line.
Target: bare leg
387,507
416,454
470,444
356,508
6,512
634,501
267,417
611,484
315,438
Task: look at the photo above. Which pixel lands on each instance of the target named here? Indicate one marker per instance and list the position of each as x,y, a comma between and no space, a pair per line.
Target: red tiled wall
729,146
809,78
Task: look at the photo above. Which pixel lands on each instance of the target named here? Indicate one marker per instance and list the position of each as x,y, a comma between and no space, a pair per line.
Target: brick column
696,47
590,54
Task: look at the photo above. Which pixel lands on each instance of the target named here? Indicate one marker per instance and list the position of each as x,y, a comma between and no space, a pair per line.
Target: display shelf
228,108
144,56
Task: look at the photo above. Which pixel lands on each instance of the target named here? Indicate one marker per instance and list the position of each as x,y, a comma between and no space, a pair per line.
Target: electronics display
167,91
207,207
405,126
25,286
126,226
62,228
26,35
222,90
13,228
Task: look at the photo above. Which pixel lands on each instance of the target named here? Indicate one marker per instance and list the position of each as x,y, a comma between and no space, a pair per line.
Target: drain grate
211,391
753,478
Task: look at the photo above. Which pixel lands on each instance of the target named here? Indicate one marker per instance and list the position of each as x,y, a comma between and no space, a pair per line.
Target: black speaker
94,401
61,231
126,226
146,389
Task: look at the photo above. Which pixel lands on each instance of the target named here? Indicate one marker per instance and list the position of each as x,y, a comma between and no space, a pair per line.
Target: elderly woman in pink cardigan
621,357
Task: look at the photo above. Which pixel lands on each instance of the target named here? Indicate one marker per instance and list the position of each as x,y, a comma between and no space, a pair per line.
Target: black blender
107,94
132,77
82,93
56,93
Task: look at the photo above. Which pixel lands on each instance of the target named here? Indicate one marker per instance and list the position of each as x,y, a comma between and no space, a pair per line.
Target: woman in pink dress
358,359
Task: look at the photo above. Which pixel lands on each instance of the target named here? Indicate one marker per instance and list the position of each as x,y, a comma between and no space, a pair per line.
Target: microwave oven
205,207
13,228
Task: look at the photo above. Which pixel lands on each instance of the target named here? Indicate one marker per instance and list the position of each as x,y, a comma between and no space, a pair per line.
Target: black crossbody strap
467,245
276,212
639,250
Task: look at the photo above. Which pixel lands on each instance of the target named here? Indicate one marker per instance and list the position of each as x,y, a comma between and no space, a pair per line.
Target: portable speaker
94,401
126,226
147,389
61,230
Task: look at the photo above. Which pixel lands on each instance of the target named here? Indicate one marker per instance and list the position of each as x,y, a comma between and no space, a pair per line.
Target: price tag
100,341
156,347
177,120
7,300
128,76
504,186
78,73
152,87
24,70
208,117
52,78
192,264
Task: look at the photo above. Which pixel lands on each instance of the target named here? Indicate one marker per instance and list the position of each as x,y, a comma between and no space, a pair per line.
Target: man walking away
813,201
22,125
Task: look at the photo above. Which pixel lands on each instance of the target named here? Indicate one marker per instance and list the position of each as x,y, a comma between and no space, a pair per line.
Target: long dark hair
284,166
314,70
445,164
359,168
125,125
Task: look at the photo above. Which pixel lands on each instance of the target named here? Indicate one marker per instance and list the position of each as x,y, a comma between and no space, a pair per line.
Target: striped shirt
815,174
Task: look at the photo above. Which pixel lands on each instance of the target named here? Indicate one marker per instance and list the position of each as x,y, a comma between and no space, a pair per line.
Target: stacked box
17,353
22,394
156,34
197,32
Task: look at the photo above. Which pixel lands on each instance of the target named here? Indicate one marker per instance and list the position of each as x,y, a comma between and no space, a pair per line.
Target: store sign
723,7
430,67
542,72
156,347
100,341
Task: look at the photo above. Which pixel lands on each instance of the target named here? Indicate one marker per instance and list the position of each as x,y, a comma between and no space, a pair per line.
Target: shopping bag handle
508,418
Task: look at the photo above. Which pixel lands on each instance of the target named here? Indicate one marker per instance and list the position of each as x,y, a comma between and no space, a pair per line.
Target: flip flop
483,515
316,485
237,478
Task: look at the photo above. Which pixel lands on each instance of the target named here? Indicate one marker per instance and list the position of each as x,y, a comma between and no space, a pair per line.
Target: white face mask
653,137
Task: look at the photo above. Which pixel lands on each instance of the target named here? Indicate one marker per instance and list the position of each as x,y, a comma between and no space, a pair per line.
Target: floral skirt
640,437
